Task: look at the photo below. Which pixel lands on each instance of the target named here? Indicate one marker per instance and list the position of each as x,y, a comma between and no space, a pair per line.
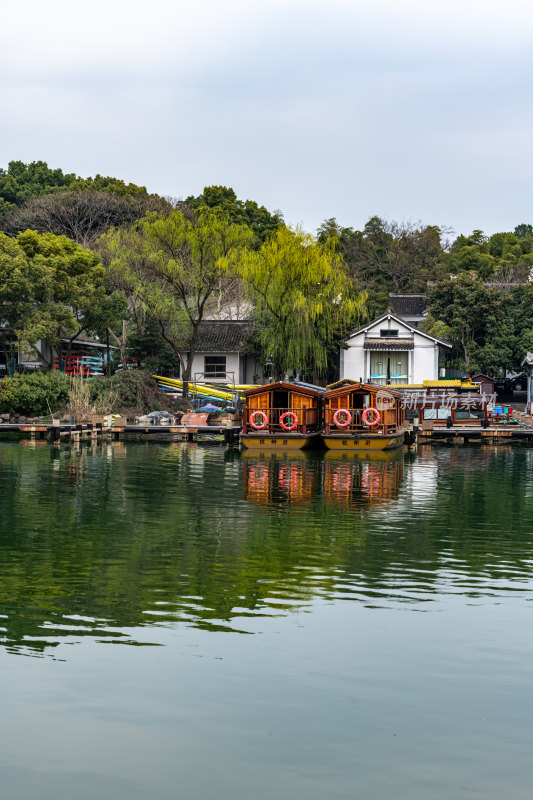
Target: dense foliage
46,283
34,394
168,265
21,182
242,212
133,391
303,298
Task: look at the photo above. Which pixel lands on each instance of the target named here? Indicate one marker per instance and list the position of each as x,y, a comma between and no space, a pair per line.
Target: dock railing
388,422
307,420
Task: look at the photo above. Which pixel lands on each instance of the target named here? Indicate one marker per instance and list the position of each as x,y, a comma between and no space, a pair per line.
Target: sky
407,109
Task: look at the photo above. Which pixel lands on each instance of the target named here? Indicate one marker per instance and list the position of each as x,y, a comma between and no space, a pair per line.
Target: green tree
388,257
247,212
304,299
523,230
21,181
47,284
175,267
465,305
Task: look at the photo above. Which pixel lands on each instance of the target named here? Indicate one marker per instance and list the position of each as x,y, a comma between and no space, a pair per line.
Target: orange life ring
348,418
375,421
258,426
294,419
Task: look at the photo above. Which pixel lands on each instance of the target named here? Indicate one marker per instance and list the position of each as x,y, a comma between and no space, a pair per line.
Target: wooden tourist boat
281,415
362,416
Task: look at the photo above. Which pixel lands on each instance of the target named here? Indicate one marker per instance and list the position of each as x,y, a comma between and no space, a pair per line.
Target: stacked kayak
210,392
88,366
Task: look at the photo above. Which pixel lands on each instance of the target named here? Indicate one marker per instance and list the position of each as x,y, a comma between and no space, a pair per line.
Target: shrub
34,394
131,392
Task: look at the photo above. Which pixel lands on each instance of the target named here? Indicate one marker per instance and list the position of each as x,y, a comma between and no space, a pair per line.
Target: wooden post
55,432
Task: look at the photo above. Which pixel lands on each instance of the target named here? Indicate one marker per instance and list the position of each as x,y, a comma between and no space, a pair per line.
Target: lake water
181,621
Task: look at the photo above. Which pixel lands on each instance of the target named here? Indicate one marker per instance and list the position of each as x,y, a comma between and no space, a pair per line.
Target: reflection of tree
114,536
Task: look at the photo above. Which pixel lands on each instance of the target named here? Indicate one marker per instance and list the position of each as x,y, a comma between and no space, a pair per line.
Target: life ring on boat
376,417
347,417
258,426
293,418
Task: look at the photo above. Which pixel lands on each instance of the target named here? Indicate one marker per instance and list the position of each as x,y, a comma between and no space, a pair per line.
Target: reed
80,407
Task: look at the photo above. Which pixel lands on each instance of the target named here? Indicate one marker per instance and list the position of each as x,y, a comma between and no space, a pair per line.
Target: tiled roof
388,344
224,336
408,305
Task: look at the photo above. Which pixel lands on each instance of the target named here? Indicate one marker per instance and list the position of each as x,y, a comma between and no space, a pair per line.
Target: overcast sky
409,109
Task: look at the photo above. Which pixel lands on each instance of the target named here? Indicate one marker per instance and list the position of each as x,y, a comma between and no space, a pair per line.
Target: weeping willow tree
303,297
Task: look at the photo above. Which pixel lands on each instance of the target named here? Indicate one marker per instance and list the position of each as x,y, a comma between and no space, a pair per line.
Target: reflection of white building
389,350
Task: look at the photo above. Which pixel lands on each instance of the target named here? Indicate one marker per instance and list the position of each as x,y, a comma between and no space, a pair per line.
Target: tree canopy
175,265
47,283
247,212
20,182
303,297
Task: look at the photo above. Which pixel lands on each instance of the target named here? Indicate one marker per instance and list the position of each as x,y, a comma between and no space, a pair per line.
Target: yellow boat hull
367,441
295,441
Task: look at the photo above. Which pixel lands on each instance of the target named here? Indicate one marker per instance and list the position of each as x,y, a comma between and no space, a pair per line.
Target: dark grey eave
224,336
409,305
400,321
389,344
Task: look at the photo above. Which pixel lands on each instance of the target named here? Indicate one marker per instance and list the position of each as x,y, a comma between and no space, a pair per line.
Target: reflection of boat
366,478
274,480
281,415
362,416
363,455
276,455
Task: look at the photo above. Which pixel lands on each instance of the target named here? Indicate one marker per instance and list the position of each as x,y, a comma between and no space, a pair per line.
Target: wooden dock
75,432
520,429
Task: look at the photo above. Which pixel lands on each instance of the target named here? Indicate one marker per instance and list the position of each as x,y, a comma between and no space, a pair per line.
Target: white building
223,353
389,350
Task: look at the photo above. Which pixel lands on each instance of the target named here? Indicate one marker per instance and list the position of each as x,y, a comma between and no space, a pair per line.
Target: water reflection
280,479
115,540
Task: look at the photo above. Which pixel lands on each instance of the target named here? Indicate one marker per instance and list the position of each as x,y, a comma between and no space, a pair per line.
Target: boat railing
388,421
307,420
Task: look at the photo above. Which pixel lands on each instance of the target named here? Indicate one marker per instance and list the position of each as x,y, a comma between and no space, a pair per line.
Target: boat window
385,333
437,413
359,400
281,399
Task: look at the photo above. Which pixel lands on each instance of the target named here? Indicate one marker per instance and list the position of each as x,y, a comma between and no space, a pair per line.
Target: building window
388,334
215,367
388,367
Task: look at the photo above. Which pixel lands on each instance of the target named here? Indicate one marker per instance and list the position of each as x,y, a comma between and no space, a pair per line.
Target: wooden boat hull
364,441
274,441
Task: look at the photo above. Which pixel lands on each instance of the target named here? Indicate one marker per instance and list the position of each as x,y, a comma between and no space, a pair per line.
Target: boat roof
300,388
347,385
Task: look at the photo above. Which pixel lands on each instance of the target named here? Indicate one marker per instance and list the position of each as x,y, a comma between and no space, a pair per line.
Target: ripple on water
106,541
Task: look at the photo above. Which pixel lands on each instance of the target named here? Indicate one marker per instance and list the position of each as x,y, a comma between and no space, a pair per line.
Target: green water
181,621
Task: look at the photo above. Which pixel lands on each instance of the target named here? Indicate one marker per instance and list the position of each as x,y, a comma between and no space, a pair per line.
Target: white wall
353,360
423,359
244,367
374,331
232,365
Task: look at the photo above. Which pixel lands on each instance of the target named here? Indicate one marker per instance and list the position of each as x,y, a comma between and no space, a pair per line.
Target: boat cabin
350,408
447,403
281,408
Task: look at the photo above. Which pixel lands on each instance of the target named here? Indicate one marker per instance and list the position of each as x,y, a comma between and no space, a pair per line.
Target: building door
389,367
